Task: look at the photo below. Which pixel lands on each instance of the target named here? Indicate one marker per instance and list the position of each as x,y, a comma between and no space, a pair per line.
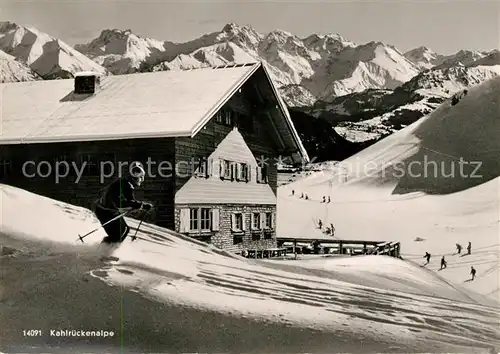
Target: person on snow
443,263
469,246
428,257
459,248
117,198
472,273
328,199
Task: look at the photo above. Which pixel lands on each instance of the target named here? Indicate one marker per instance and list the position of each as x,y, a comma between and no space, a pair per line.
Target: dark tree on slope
321,140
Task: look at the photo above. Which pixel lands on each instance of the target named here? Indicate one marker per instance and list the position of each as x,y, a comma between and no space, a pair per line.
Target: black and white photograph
249,176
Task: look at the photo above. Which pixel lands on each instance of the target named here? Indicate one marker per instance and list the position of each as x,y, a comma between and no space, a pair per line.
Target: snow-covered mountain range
365,91
48,57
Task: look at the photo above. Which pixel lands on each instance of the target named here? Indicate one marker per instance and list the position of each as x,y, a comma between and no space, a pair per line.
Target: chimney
87,82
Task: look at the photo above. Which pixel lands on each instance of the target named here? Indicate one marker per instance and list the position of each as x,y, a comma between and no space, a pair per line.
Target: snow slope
49,57
330,308
11,70
414,184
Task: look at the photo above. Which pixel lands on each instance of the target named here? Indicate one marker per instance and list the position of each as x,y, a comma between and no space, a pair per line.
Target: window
237,239
237,222
256,221
242,172
61,158
228,118
200,219
269,221
225,116
206,219
226,169
193,219
201,167
238,171
262,174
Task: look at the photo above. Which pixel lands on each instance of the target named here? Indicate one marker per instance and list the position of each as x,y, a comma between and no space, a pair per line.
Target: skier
324,199
332,228
293,192
469,246
443,263
320,224
459,248
328,199
117,198
428,257
472,273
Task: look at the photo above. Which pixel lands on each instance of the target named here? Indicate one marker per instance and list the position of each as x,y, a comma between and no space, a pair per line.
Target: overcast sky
444,26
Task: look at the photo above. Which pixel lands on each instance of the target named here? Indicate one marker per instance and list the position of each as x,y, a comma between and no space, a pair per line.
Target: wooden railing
351,247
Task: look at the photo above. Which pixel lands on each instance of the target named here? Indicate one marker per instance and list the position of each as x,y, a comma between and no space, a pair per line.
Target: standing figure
428,257
443,263
459,248
472,272
469,246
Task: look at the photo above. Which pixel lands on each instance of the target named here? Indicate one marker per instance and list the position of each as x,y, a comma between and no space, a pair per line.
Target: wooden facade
91,166
174,167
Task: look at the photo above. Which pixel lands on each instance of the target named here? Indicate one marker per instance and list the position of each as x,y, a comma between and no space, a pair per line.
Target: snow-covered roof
145,105
87,73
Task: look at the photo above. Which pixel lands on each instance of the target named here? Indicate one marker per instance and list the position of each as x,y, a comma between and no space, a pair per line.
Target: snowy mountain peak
461,58
245,36
331,43
424,57
47,56
122,51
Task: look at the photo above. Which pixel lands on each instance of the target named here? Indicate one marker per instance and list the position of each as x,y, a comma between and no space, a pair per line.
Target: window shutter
243,221
208,168
215,219
273,221
233,222
184,220
247,173
257,172
221,168
262,220
252,221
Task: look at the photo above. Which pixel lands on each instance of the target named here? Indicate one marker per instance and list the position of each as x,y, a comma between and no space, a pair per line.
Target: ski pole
107,222
140,223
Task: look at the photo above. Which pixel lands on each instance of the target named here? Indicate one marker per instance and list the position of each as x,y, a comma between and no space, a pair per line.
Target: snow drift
183,295
436,181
